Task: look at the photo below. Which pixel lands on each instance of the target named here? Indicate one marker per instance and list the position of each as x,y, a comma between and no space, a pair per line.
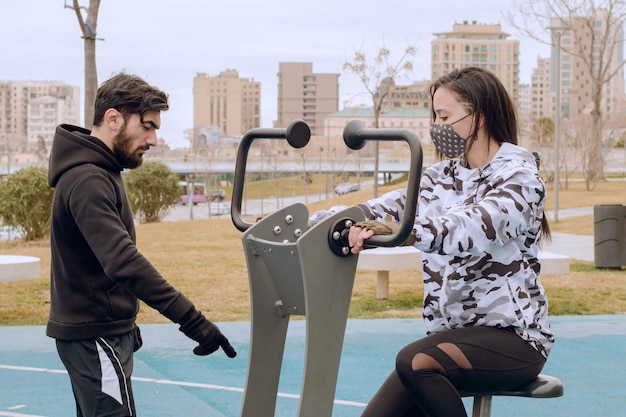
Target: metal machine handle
354,135
297,133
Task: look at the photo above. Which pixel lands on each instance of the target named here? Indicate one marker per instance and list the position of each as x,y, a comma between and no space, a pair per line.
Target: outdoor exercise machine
295,269
307,271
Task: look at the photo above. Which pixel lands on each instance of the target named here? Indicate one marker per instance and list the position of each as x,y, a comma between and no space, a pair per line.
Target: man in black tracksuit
97,274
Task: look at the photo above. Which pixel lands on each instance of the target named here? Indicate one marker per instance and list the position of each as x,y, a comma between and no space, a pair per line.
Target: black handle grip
298,134
354,135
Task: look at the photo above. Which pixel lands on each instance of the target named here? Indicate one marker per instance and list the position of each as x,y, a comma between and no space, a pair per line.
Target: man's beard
127,157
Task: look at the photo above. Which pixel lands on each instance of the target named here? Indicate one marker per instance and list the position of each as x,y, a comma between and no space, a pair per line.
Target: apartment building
414,96
577,90
413,119
226,105
540,94
481,45
44,114
305,95
19,98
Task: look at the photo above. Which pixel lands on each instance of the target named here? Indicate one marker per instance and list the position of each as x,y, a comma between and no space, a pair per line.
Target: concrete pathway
579,247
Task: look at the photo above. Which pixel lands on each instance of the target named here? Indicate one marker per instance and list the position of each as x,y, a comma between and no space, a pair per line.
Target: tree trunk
377,109
88,27
91,81
595,158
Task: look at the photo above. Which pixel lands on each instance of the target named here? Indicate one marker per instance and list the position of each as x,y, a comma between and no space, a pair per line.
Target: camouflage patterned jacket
478,231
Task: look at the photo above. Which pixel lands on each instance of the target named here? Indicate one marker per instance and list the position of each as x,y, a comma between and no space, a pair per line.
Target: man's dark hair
128,94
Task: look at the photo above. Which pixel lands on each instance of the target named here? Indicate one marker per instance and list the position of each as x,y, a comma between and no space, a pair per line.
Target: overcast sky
168,42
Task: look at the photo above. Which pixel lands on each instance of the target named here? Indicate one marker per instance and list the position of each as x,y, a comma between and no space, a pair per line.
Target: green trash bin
609,235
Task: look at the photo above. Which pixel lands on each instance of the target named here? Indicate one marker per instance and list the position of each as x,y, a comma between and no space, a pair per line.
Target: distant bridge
288,165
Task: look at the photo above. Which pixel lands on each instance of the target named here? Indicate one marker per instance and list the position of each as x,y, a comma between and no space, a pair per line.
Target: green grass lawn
205,260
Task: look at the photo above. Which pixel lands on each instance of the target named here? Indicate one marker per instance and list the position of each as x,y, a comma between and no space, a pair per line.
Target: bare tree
543,131
305,174
88,26
378,77
542,136
596,28
574,143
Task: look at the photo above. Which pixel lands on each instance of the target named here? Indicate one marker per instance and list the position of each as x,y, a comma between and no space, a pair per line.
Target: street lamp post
557,31
557,126
262,175
319,179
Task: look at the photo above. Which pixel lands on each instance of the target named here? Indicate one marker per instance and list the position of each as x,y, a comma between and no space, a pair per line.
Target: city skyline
169,45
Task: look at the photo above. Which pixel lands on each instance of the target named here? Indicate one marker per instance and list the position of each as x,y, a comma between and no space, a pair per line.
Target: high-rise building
44,114
540,101
577,90
305,95
224,105
480,45
18,98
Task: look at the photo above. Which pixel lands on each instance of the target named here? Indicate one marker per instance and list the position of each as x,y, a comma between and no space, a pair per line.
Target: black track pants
100,371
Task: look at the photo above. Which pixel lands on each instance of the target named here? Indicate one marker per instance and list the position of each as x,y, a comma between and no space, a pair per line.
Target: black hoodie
97,273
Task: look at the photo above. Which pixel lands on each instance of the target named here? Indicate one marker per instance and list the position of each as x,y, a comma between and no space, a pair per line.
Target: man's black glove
195,326
380,228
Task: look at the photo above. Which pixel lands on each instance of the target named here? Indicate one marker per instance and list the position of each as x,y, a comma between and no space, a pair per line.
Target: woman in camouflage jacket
479,222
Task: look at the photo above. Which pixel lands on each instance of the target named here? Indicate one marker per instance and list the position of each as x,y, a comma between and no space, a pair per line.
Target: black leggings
431,372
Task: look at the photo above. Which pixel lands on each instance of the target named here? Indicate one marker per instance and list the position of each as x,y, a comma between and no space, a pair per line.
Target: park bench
382,260
18,268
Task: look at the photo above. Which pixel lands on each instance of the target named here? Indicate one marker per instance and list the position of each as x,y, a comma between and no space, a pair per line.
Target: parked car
198,193
346,188
217,195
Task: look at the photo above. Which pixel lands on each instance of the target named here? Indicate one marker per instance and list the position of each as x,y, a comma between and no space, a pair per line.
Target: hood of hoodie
509,152
73,146
509,155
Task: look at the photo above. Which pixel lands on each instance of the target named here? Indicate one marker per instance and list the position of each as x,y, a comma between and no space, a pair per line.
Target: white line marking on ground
4,413
167,382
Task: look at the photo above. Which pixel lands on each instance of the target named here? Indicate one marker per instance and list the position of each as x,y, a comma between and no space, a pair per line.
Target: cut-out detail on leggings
425,361
441,357
456,354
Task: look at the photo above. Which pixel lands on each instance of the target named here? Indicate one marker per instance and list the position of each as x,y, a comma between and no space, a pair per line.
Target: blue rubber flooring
589,357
